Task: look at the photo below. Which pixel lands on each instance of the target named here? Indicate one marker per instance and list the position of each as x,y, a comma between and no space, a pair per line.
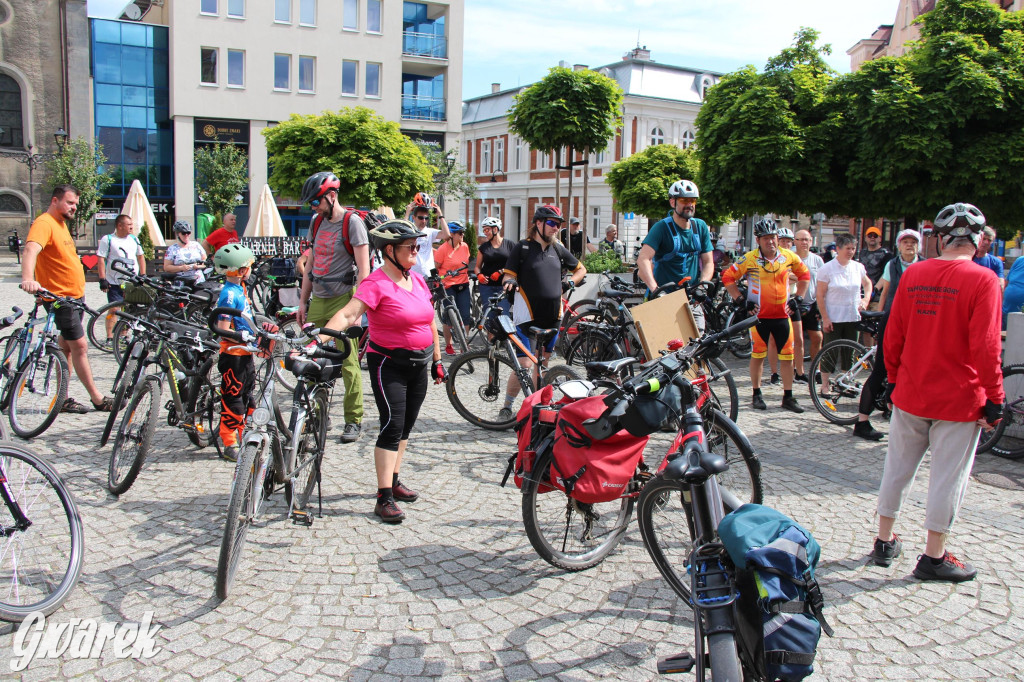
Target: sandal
72,406
105,405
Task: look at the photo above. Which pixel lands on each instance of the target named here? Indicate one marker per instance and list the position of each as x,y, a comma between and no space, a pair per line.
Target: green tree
81,165
146,241
455,183
376,163
640,183
573,110
222,174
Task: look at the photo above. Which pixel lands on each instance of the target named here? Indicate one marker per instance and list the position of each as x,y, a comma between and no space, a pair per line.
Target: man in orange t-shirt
50,249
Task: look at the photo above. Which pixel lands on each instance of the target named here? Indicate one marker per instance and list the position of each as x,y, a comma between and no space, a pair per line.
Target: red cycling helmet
548,212
422,199
319,184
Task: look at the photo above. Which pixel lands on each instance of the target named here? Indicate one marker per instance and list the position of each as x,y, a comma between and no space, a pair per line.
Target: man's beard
686,212
547,238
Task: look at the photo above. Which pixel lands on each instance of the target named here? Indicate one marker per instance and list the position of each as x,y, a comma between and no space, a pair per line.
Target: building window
599,158
373,16
11,125
236,8
10,203
283,11
543,160
208,65
497,211
208,7
657,136
350,21
499,154
595,221
282,71
485,157
307,12
307,74
687,138
349,74
372,79
236,68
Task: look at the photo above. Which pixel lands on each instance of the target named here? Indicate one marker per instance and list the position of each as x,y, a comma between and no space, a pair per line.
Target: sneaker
758,403
388,511
884,552
229,453
867,432
950,570
72,406
776,379
449,350
351,433
505,414
792,404
802,378
402,493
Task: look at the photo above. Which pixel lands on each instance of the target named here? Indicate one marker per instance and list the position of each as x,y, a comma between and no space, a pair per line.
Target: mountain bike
839,371
1007,438
447,311
41,539
273,455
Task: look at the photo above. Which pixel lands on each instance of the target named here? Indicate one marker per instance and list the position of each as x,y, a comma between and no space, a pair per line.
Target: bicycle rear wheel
127,378
38,392
281,375
122,338
458,330
722,386
558,374
592,345
203,407
243,509
134,436
566,533
96,329
41,563
741,345
743,479
476,388
1007,439
847,369
311,445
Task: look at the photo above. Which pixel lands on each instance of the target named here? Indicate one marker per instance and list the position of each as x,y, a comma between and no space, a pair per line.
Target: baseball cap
909,233
874,230
574,221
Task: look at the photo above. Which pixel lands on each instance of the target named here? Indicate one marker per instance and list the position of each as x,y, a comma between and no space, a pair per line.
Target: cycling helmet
683,188
786,233
422,199
456,227
231,258
491,222
959,220
319,184
182,226
548,212
393,232
765,226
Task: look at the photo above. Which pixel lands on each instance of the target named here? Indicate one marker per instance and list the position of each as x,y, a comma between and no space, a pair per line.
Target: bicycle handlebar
12,318
64,300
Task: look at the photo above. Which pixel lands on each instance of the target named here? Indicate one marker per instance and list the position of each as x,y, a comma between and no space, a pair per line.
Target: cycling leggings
237,380
399,388
875,385
781,330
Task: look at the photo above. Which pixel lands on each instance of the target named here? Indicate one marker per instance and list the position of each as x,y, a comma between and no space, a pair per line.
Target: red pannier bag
534,421
592,471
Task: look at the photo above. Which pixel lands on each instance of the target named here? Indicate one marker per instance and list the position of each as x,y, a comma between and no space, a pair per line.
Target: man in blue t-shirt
678,246
985,259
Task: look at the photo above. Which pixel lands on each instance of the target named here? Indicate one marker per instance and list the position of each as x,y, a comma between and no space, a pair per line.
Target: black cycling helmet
960,220
393,232
764,227
182,226
548,212
319,184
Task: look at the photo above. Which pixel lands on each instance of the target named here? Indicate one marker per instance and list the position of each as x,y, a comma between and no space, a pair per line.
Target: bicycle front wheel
40,563
38,393
722,386
96,329
743,478
454,321
837,376
203,407
134,436
566,533
741,345
666,528
281,350
476,387
1008,437
121,340
557,375
124,386
243,510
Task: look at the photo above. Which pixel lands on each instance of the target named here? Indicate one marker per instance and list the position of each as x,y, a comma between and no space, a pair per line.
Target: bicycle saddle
316,369
543,335
695,465
872,314
620,294
605,367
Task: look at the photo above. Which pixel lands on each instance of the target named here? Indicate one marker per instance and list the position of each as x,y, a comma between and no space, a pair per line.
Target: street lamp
32,160
449,165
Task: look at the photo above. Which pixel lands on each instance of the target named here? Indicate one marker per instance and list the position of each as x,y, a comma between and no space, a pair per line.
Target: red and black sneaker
950,569
388,511
403,493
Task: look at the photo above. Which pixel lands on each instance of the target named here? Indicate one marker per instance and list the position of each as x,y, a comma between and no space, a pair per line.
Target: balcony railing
424,45
423,108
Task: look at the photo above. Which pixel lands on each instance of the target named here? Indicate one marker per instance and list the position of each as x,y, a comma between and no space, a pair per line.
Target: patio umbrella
265,221
137,206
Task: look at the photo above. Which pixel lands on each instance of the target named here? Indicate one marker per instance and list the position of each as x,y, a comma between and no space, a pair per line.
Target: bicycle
481,376
34,393
576,536
839,371
41,538
272,454
612,293
1007,438
447,311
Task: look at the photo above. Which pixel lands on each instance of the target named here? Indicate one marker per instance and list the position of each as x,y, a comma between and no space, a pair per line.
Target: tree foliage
639,183
376,163
222,174
457,183
146,241
81,165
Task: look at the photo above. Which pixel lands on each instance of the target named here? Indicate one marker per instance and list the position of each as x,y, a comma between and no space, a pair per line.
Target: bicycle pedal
300,517
680,663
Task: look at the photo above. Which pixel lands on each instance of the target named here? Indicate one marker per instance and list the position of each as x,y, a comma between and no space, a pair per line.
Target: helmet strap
384,251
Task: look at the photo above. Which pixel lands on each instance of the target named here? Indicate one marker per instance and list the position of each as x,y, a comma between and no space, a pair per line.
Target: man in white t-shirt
418,213
121,246
809,314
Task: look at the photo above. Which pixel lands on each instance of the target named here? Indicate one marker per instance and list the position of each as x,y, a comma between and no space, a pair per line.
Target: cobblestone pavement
457,592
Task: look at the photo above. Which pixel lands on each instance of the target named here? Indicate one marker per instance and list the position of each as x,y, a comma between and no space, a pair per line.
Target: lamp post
32,160
449,164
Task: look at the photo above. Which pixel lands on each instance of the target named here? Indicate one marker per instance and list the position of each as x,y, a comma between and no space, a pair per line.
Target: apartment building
660,107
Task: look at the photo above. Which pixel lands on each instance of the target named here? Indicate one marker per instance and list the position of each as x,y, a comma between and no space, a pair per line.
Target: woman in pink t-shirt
403,341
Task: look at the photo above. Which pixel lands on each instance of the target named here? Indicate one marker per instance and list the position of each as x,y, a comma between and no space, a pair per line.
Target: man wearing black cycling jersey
535,266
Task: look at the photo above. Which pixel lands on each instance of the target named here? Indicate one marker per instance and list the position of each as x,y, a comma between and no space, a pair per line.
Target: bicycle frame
851,379
29,342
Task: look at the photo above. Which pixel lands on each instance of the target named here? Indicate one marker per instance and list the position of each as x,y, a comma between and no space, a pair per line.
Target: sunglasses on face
552,223
314,203
414,248
420,217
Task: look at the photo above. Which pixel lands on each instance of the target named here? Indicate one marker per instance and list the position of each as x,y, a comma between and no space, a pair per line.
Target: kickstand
319,494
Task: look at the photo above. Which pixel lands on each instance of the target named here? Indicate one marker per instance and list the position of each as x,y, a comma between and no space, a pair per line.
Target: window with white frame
307,12
283,11
236,68
373,16
657,136
208,65
236,9
485,157
350,19
499,154
282,71
496,211
307,74
372,79
519,153
208,7
543,160
595,221
687,138
349,76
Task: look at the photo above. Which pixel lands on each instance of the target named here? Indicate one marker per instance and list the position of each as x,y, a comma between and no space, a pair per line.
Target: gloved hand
266,345
567,284
104,285
887,396
751,307
993,413
438,372
480,279
791,306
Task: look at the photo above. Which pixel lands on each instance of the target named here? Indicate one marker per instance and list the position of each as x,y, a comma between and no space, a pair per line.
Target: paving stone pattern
457,592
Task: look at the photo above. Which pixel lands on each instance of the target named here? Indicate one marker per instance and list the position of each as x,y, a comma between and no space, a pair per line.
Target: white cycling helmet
786,233
491,221
960,220
683,188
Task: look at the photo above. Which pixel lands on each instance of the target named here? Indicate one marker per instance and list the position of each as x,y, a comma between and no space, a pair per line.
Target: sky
515,42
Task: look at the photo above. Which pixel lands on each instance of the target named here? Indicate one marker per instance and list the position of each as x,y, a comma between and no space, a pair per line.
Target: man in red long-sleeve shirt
942,346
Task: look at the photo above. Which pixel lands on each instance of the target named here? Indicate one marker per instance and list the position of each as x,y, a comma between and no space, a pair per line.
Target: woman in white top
843,291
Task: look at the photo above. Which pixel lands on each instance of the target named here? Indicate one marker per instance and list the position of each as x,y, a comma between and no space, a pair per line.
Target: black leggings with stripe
399,388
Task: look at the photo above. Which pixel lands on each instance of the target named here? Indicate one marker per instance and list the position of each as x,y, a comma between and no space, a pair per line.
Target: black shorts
812,320
69,320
